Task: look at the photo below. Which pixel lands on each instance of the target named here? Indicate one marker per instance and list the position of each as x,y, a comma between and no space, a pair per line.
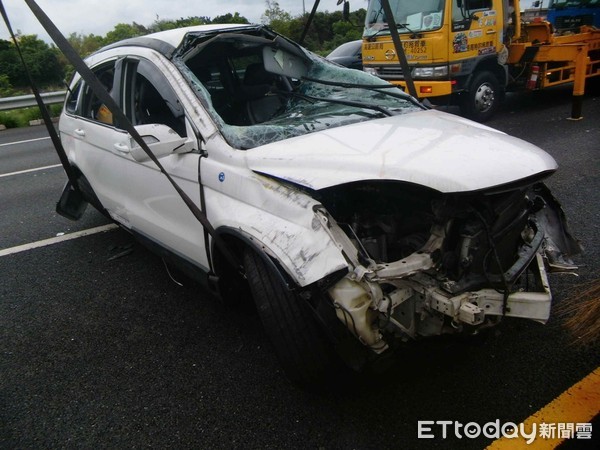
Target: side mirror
162,140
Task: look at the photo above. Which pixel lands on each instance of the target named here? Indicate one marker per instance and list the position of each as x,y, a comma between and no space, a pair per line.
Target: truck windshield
410,16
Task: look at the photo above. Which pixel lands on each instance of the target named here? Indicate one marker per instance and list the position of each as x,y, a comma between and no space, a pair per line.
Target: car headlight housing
371,71
430,72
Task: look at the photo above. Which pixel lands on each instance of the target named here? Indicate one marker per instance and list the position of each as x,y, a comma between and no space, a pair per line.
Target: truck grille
393,72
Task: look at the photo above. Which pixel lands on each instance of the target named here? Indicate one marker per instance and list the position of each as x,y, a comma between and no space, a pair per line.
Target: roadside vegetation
21,117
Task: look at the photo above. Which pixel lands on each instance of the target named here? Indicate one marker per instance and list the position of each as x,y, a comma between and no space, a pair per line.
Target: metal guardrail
25,101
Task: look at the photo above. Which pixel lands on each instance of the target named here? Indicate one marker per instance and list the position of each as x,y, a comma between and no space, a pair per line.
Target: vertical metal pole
391,20
579,84
309,21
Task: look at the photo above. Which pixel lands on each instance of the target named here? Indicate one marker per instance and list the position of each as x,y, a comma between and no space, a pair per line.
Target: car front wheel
306,354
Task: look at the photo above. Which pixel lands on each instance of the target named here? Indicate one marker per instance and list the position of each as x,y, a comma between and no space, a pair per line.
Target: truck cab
455,48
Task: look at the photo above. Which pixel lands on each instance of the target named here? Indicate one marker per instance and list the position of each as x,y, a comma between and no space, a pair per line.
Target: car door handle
80,132
123,148
490,32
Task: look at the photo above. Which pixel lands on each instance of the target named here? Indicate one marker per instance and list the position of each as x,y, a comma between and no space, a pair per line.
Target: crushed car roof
166,41
174,37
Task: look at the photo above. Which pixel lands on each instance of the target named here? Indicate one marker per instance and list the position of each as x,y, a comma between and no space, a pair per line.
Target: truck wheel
481,101
307,356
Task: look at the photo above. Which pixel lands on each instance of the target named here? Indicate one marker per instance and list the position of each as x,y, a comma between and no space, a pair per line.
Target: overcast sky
100,16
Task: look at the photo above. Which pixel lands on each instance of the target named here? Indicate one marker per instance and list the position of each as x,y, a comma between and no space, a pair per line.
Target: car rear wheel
306,354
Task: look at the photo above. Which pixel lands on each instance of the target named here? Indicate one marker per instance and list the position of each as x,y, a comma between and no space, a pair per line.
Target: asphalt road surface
100,348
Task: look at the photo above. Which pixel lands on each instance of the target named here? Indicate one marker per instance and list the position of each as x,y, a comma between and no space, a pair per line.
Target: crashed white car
358,218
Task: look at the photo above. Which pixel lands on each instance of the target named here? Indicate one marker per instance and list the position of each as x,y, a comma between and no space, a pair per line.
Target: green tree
85,44
274,13
276,18
343,31
327,30
125,31
228,18
167,24
41,59
9,62
296,27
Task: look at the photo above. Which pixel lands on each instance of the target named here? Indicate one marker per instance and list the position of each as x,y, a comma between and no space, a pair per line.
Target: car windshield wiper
313,99
369,87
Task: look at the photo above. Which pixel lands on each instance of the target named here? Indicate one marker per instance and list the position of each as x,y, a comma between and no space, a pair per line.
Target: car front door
156,211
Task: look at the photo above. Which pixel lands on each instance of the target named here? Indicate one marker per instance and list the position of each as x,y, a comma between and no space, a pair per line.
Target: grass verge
20,117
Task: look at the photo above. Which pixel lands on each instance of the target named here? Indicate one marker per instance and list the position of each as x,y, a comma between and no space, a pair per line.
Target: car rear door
95,144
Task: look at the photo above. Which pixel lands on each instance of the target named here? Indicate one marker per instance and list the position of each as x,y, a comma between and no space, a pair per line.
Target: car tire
306,354
481,101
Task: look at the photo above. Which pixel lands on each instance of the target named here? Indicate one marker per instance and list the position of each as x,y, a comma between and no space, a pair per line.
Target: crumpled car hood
430,148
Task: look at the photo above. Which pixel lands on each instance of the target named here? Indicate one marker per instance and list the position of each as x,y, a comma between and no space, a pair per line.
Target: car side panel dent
277,218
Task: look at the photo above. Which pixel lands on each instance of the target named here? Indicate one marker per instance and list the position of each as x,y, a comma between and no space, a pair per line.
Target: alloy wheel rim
484,97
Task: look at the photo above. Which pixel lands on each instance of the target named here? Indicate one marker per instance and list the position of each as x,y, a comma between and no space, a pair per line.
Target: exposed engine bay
426,263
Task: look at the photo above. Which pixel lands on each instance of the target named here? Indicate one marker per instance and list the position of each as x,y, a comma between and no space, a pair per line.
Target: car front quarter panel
279,219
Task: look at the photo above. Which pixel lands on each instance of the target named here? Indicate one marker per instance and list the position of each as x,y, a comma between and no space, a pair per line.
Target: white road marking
24,142
29,170
56,240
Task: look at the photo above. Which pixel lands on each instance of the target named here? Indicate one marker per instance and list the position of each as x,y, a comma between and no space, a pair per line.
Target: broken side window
149,97
71,105
90,106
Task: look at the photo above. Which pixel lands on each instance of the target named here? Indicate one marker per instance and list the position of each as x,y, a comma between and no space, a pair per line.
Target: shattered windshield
262,88
410,16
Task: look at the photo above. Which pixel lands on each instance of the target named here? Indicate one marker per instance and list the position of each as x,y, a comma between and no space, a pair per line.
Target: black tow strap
393,27
100,92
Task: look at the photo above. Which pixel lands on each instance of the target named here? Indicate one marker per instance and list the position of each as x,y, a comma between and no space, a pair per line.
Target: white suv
358,218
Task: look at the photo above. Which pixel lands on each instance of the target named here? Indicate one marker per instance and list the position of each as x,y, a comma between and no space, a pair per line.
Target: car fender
275,218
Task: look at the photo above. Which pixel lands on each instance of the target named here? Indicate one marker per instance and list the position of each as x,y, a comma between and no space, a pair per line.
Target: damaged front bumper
412,298
419,308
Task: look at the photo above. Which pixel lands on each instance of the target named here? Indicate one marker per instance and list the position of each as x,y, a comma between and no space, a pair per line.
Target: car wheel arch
238,242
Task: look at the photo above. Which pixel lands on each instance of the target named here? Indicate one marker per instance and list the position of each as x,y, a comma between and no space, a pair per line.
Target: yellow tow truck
470,52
